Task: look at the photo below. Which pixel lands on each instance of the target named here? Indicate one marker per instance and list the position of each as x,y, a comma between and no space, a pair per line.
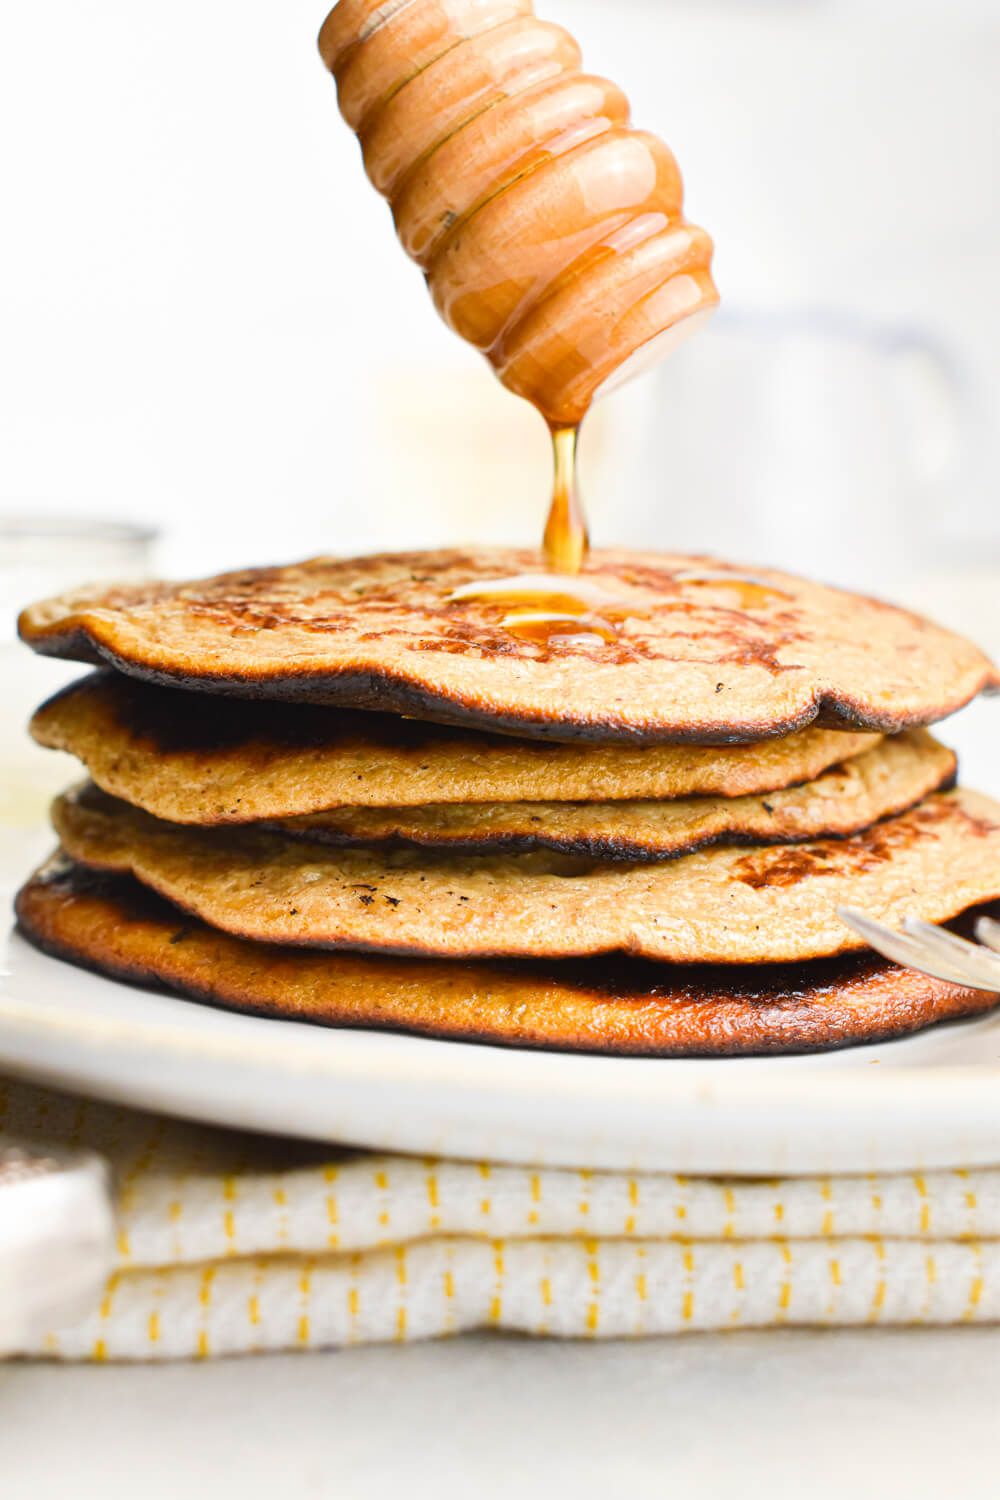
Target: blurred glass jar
39,557
823,444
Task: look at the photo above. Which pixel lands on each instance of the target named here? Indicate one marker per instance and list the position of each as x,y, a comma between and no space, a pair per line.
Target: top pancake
709,661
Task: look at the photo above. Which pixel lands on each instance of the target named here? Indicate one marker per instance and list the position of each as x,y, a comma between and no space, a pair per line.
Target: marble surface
907,1414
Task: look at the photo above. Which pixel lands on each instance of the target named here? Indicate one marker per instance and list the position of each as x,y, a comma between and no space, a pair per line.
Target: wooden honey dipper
549,230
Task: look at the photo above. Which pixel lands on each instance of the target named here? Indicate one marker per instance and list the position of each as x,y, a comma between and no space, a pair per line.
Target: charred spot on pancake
864,851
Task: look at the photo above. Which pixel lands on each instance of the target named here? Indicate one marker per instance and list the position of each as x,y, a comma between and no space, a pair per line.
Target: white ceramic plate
932,1100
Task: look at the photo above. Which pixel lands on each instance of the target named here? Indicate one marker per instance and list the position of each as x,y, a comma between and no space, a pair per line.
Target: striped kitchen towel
229,1243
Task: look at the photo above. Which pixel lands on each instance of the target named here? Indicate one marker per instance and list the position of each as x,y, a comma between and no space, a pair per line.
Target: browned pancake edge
844,800
199,758
113,926
769,904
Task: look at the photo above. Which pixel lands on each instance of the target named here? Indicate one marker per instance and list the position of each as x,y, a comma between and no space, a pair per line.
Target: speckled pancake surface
197,759
115,926
899,772
698,657
722,905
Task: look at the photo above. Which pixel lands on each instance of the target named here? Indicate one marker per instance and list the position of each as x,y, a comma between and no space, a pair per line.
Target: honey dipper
549,230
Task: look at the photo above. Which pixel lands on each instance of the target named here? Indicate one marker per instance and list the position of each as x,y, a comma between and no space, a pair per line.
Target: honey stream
552,237
562,607
550,230
565,542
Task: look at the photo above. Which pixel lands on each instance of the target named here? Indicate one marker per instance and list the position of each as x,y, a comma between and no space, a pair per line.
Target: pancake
115,926
721,905
846,799
196,759
705,659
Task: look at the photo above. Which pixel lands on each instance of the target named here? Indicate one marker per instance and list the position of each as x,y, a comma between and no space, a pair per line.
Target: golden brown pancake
197,759
899,772
114,925
707,661
721,905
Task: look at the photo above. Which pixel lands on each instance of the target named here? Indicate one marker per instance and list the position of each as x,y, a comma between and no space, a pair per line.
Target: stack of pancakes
351,792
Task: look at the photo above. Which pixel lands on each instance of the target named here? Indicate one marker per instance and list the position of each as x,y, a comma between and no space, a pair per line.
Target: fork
932,950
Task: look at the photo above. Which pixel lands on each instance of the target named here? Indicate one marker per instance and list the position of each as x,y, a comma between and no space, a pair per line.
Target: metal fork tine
940,936
940,961
979,974
988,932
878,936
977,963
897,946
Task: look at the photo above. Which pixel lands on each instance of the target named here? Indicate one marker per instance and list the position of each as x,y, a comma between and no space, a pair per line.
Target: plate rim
306,1047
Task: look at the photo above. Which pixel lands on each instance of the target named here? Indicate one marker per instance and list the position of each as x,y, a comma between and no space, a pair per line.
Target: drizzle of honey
551,608
557,607
565,542
751,592
561,630
552,592
566,610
